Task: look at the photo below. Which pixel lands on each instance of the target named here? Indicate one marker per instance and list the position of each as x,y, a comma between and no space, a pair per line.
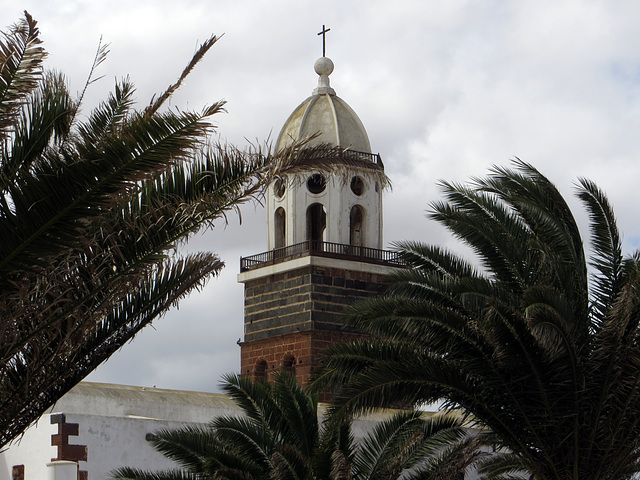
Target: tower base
294,310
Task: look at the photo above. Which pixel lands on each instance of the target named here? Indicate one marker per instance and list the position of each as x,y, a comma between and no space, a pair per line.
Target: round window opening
316,183
279,188
357,186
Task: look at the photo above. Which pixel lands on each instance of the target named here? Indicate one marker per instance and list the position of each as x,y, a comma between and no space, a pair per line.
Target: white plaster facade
113,422
304,261
337,199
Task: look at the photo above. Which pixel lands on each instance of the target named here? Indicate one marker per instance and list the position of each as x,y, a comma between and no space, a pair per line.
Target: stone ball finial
323,66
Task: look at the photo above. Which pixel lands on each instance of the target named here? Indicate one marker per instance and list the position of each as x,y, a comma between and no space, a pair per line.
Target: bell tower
324,229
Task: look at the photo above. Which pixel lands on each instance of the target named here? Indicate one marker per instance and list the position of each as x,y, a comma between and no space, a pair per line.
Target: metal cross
323,32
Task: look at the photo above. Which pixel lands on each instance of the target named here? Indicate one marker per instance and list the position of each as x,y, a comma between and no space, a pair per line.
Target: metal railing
365,156
321,249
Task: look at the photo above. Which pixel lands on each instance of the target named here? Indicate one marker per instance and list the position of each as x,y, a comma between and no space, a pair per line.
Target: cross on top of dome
323,33
324,67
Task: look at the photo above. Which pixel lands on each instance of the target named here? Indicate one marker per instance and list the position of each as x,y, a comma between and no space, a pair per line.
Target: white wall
33,450
114,442
337,200
113,423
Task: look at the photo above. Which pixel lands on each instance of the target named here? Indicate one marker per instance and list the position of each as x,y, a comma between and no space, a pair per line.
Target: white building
97,427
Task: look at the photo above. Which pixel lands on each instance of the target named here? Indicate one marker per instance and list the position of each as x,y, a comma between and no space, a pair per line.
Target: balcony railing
321,249
367,157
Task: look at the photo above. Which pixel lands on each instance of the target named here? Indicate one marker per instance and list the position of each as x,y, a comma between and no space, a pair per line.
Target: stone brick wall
277,305
334,289
310,298
298,314
304,347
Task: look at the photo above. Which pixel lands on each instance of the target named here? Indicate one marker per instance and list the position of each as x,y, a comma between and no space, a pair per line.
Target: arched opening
289,364
316,225
260,371
280,227
356,226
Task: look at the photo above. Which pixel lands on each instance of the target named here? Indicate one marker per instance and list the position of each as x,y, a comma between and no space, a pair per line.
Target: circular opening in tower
357,185
316,183
279,188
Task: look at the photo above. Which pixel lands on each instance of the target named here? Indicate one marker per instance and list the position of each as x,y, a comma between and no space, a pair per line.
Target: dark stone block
327,326
58,418
283,330
328,317
330,307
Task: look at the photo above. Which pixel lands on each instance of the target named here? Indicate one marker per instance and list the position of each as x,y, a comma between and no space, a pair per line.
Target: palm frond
42,121
605,237
90,213
503,466
78,191
188,446
199,55
128,473
109,115
546,212
490,227
21,57
304,156
299,409
44,363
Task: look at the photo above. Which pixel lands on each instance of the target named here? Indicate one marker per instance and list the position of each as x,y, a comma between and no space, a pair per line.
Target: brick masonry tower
325,243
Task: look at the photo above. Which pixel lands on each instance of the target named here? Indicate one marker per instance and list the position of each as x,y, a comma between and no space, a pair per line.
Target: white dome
326,114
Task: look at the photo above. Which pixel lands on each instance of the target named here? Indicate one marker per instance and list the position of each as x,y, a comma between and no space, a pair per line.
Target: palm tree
279,436
91,210
533,342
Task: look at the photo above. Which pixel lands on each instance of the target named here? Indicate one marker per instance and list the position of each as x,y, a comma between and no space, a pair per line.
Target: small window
357,185
279,188
316,183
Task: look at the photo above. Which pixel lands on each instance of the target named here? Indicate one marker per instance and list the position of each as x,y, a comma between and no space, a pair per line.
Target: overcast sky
445,89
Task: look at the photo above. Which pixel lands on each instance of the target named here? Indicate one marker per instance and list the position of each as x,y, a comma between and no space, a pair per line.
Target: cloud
445,90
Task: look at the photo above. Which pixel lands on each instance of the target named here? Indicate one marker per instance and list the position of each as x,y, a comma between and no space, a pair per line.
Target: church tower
324,228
